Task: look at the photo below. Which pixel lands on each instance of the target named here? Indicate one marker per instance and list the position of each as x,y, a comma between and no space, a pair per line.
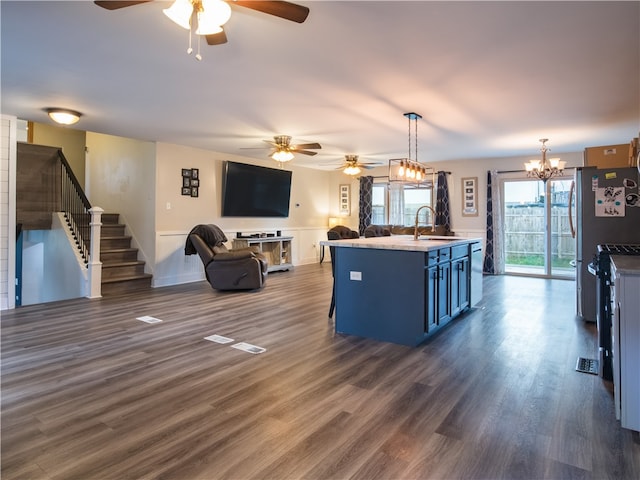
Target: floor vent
587,365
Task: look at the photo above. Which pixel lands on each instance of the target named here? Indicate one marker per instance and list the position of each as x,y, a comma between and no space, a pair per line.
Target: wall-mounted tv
252,191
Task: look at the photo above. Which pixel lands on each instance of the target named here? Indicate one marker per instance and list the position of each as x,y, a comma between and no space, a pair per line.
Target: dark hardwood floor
89,392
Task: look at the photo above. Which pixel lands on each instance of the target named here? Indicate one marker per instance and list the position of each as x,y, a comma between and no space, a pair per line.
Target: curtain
365,204
396,204
443,211
494,248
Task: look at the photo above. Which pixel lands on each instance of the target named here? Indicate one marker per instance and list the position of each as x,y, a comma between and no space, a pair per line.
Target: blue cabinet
399,296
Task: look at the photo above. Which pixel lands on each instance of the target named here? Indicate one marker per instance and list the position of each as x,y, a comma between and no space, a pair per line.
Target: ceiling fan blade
216,38
305,152
115,5
286,10
312,146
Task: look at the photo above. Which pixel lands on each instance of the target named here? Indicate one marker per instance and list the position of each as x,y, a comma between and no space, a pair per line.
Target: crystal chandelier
544,169
410,170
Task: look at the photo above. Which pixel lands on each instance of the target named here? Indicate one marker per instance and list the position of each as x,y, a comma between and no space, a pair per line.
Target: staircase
122,272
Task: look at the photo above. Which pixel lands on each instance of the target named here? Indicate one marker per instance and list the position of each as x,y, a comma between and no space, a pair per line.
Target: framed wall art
190,181
345,204
470,197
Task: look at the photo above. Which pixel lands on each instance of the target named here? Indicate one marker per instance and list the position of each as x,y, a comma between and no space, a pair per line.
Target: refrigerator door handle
571,190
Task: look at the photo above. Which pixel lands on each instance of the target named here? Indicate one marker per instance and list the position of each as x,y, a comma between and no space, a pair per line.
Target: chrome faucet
433,221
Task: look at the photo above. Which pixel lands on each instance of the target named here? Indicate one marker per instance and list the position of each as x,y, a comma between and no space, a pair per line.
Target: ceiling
488,78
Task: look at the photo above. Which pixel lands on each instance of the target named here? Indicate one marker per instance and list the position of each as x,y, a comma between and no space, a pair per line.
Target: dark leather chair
339,232
240,269
377,231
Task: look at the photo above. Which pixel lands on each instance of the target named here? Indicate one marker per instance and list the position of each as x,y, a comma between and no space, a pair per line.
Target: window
379,214
412,199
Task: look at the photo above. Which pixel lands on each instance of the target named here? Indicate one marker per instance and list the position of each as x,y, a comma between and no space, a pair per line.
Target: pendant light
410,170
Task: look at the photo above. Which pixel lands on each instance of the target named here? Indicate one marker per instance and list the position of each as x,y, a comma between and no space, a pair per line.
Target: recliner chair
241,269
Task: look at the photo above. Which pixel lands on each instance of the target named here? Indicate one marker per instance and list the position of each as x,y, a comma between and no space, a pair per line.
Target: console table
277,250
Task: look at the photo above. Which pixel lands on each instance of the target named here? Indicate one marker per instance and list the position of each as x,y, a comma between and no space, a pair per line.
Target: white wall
177,214
7,211
47,258
466,226
121,178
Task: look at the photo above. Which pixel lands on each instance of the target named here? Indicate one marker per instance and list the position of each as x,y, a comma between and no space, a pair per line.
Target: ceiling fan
282,150
211,15
352,166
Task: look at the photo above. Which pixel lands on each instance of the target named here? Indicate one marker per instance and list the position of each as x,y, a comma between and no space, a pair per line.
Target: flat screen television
252,191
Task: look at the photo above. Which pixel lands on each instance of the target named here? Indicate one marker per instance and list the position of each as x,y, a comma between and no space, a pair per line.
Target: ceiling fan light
282,156
212,15
352,170
180,13
64,116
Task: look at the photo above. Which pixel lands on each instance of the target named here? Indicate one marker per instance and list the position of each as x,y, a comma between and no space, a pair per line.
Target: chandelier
544,169
210,16
410,170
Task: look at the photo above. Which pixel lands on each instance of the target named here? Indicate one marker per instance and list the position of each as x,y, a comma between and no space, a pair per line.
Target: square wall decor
190,181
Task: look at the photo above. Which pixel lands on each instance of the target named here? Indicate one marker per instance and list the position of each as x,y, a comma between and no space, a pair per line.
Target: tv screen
252,191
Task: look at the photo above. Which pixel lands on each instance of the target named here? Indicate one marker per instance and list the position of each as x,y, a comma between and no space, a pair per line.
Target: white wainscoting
173,267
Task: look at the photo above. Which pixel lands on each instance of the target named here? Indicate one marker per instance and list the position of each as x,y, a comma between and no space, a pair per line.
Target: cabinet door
459,285
444,293
464,280
431,297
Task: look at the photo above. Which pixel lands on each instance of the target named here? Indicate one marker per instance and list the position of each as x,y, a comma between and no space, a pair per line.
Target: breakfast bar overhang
400,290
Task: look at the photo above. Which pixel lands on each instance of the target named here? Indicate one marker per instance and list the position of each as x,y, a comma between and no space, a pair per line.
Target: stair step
126,284
115,255
109,243
112,230
122,270
110,218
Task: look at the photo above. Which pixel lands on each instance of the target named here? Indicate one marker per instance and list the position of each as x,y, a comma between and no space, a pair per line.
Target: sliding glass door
536,228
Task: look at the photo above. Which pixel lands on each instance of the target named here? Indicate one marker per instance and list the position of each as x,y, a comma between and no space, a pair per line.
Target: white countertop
626,264
424,243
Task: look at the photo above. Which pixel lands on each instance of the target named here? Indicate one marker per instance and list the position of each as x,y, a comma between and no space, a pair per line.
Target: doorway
537,234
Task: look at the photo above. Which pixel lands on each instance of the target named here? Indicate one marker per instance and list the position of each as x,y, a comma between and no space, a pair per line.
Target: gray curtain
494,259
366,200
443,210
489,266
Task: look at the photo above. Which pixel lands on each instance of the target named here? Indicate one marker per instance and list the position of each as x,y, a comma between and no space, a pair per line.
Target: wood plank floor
89,392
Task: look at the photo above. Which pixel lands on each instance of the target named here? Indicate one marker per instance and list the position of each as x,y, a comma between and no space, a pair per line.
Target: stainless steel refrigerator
601,220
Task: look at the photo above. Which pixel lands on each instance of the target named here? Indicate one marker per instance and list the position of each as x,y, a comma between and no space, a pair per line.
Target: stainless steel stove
601,268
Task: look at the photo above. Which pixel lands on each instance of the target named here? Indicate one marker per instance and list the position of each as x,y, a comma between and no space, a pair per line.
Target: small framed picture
195,182
470,197
195,173
186,182
345,207
186,172
194,191
186,191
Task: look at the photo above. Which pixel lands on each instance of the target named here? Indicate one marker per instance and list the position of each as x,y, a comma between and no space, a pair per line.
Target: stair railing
75,206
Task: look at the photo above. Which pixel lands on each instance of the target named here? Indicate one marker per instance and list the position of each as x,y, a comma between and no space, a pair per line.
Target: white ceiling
488,78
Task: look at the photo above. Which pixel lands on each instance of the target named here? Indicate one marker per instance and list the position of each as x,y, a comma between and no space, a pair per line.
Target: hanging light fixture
410,170
210,15
63,116
544,169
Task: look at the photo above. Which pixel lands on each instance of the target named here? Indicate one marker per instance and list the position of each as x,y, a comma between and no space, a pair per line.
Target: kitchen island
400,290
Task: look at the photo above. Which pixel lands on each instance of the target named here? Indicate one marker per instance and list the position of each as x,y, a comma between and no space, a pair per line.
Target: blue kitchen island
400,290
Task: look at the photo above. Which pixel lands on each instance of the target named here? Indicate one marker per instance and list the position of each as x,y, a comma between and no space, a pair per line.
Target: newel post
95,265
